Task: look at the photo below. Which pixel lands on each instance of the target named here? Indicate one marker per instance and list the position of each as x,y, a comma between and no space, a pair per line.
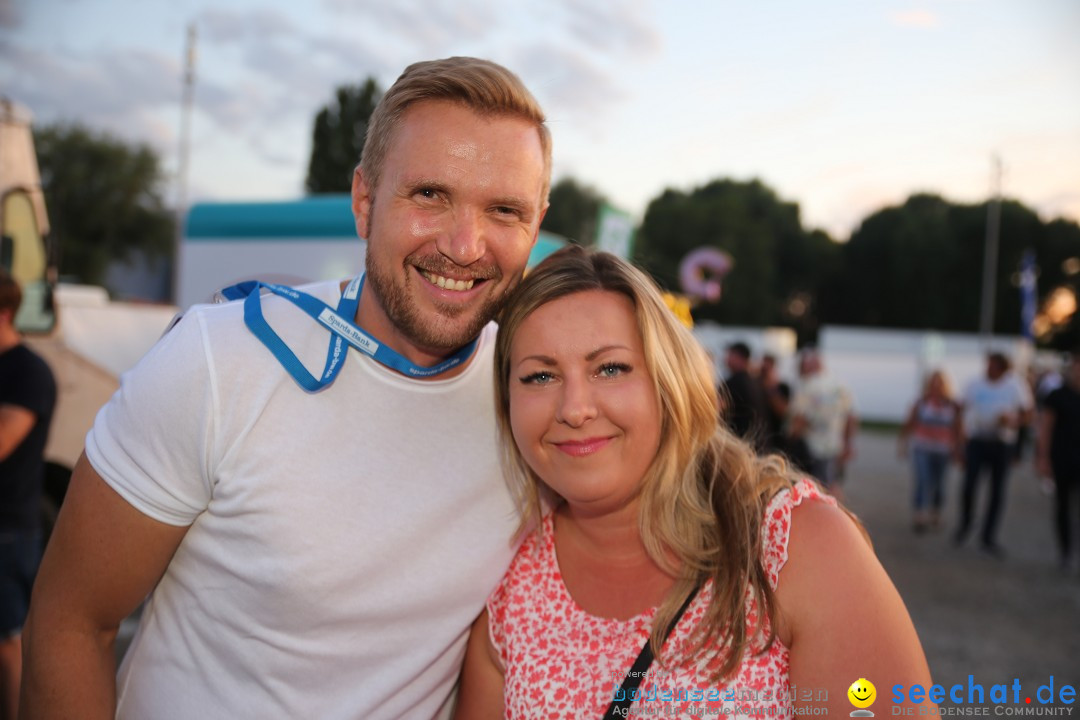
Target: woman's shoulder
777,522
826,547
530,594
532,561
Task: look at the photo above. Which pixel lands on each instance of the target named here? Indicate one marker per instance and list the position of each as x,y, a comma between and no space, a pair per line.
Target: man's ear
539,222
362,198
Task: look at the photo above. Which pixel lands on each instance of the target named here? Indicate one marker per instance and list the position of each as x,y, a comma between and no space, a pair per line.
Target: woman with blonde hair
933,432
650,530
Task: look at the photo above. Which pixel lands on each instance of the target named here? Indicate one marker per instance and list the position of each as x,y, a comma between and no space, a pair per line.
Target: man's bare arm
103,559
15,424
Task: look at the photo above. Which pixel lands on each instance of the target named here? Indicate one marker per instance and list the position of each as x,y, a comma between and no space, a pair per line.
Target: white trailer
288,242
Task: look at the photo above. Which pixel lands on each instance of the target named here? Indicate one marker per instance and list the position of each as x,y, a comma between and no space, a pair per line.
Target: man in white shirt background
996,406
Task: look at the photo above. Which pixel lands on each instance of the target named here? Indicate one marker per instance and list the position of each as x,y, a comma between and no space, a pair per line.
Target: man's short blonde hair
482,86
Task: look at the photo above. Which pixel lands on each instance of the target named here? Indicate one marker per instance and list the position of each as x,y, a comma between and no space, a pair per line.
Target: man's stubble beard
392,293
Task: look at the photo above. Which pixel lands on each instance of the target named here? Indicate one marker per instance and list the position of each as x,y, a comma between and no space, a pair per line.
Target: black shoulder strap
624,697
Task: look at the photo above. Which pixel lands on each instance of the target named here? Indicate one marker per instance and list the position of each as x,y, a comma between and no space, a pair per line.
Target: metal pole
186,102
990,258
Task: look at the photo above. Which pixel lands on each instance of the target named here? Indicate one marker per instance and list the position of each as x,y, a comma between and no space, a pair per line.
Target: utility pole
186,101
990,258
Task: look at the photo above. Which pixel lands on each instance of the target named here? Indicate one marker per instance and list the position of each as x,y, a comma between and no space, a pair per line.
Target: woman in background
663,525
933,433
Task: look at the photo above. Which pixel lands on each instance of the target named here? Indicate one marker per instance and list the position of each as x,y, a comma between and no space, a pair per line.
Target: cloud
293,69
232,106
265,41
286,72
575,70
430,25
915,19
10,17
613,26
225,27
292,156
118,91
349,61
568,83
277,75
135,94
578,71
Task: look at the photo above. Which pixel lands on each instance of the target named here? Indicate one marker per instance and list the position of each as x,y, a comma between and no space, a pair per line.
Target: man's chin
457,320
430,325
449,341
442,334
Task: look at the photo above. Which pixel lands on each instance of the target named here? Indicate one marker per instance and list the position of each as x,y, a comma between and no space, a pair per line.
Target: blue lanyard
342,329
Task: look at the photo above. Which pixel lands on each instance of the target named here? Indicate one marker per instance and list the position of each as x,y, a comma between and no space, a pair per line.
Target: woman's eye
610,370
537,378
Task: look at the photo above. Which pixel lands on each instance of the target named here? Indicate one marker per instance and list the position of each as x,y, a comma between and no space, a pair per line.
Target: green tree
892,263
338,137
778,266
104,199
574,211
1060,268
920,265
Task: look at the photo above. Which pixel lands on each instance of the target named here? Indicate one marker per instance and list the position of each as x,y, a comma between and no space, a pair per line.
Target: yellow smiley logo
862,693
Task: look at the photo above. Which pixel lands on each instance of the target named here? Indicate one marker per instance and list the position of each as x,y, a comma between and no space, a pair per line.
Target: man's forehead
507,156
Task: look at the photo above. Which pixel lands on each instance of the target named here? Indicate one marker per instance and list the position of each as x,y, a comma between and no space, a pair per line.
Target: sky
842,106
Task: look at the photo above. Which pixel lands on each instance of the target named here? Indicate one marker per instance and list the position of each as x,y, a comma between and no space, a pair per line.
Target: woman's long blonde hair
703,498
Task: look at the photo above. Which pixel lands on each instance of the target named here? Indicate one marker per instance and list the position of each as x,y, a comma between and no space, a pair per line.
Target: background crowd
985,428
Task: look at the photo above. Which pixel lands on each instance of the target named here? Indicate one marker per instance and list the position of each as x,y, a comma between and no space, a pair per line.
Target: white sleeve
851,406
969,391
798,403
1023,394
153,441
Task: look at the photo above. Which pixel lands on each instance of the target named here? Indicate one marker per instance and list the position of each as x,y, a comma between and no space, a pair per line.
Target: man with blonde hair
313,549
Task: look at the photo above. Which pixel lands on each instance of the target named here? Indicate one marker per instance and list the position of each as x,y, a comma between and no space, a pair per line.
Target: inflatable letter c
702,271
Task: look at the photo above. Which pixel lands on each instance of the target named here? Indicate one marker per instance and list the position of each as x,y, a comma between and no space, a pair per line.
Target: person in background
27,400
661,518
823,414
995,407
313,553
1048,377
1058,454
777,396
933,433
1023,433
743,407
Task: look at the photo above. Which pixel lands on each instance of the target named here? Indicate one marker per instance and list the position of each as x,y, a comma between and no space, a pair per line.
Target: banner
615,232
1029,299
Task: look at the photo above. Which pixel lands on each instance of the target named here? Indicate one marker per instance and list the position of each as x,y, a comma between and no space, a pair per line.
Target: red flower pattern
562,662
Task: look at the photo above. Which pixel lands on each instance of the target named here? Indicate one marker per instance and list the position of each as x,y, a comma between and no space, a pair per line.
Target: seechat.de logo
973,698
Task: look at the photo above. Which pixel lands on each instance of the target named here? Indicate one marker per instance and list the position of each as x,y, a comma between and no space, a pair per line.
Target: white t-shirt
985,403
826,404
340,543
